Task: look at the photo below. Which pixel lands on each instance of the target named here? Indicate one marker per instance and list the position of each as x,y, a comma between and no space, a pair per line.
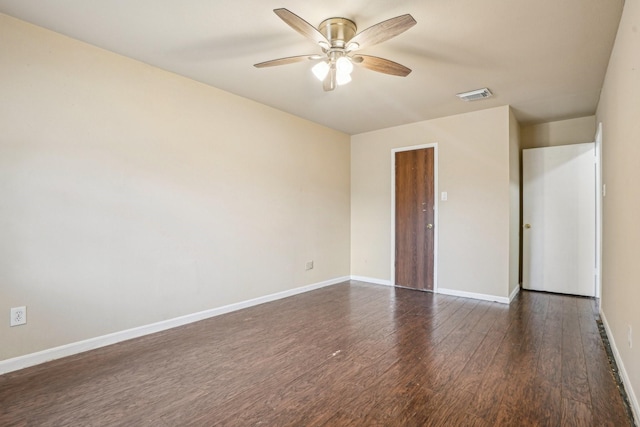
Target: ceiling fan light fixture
342,79
344,65
320,70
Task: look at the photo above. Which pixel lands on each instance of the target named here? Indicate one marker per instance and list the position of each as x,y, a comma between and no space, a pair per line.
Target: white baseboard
483,297
633,400
514,293
452,292
47,355
372,280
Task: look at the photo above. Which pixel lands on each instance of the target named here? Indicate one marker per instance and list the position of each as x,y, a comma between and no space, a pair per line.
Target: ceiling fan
338,40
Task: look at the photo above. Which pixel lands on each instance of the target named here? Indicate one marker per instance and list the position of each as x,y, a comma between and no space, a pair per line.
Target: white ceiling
546,58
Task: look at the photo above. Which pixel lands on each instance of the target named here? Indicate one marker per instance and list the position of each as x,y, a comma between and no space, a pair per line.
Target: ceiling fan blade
381,31
382,65
329,82
287,60
302,26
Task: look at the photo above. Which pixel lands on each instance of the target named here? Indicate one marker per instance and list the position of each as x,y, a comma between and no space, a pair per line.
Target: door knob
429,226
527,226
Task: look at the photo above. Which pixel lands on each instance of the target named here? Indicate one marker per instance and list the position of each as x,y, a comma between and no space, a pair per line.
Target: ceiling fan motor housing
338,31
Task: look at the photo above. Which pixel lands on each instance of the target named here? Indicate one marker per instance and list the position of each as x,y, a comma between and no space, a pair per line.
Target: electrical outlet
309,265
629,336
18,316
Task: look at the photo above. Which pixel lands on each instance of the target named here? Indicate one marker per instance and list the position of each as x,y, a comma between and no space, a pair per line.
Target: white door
559,220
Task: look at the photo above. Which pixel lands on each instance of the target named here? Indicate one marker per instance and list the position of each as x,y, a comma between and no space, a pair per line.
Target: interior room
167,165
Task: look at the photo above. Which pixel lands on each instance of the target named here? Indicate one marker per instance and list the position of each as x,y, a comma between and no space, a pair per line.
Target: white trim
372,280
47,355
598,154
483,297
433,145
633,400
443,291
515,292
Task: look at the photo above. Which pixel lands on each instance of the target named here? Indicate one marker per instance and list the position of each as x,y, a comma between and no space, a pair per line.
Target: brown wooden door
414,218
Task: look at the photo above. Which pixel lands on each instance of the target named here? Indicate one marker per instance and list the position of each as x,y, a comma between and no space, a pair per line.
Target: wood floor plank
575,414
575,384
451,411
550,360
606,403
485,402
352,354
471,374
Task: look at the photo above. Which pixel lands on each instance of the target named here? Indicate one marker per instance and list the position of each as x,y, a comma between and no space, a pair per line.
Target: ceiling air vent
474,95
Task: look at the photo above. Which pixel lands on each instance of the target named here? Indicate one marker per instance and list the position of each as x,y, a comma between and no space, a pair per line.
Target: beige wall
562,132
619,112
129,195
473,167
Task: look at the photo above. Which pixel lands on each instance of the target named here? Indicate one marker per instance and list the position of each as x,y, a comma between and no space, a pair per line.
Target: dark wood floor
358,354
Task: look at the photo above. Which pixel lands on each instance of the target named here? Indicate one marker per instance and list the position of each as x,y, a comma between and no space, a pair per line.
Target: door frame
436,233
599,195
